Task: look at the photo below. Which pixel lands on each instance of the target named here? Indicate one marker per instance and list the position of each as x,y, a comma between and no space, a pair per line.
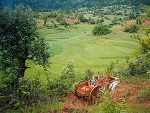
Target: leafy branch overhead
145,41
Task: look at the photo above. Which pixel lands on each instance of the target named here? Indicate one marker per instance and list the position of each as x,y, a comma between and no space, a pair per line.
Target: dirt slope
127,90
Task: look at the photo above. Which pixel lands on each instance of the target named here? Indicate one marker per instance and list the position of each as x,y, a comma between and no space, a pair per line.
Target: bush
91,21
148,31
106,105
141,65
82,18
28,93
101,30
131,29
88,74
63,83
63,22
29,90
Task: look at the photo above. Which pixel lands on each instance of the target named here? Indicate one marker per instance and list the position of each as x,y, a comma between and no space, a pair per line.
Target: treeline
39,5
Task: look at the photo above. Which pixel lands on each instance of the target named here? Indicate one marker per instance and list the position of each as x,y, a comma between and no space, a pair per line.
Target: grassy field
77,43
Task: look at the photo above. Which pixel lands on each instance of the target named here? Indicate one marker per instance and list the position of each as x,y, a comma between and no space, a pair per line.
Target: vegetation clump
19,44
63,83
142,63
141,66
101,30
131,29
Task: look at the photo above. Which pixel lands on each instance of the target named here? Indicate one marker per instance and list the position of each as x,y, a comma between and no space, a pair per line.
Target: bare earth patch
125,90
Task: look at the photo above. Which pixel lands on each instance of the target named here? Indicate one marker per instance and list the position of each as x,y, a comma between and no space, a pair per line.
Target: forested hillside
69,4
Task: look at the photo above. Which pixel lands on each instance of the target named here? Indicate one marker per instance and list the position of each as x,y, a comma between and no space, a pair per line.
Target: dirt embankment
127,90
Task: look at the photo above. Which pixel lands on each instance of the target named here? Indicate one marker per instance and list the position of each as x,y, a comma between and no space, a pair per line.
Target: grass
138,109
77,43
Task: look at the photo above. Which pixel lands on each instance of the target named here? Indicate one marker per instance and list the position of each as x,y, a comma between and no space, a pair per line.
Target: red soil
125,90
71,20
131,22
147,21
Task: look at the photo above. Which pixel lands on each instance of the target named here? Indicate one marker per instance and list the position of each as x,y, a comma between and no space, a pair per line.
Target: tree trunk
45,22
22,68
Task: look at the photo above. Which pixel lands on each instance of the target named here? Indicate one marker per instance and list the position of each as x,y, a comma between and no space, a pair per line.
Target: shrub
29,90
101,30
110,68
82,18
131,29
91,21
63,83
141,65
88,74
28,93
106,105
148,31
63,22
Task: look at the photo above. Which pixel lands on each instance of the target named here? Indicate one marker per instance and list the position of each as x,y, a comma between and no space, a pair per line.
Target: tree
147,10
101,21
44,17
101,30
19,43
82,18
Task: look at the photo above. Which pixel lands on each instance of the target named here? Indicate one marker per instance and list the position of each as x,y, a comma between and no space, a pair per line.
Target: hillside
69,4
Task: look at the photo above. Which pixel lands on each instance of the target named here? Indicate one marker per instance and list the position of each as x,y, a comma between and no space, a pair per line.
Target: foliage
44,17
47,5
138,109
111,107
107,106
147,31
115,21
52,14
143,95
88,74
141,66
59,17
63,22
140,99
101,21
29,90
131,29
91,21
138,20
36,15
50,107
100,30
63,83
147,10
145,42
132,16
28,94
82,18
110,68
20,42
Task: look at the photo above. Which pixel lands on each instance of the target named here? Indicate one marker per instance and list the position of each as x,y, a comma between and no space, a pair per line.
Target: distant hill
69,4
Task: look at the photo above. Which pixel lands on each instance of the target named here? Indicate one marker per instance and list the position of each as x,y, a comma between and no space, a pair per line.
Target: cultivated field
77,43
